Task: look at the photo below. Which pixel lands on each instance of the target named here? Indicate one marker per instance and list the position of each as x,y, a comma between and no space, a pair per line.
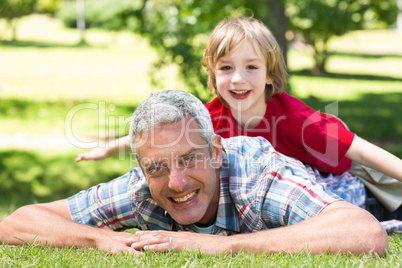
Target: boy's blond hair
229,34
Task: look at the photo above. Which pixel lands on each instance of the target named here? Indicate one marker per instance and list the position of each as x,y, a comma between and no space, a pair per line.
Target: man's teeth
185,198
240,92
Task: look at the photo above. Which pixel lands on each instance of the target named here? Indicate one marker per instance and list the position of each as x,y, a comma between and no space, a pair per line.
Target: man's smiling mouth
185,198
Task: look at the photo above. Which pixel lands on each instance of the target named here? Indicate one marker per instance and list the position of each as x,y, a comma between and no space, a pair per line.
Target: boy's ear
268,81
217,152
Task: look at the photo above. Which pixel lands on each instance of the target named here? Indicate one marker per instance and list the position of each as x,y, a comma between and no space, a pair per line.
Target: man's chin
186,219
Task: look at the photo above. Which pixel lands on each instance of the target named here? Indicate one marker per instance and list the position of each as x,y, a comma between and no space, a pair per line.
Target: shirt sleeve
107,205
293,195
315,138
326,139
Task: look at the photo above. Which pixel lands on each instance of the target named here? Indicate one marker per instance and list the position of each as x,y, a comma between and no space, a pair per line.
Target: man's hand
165,240
113,242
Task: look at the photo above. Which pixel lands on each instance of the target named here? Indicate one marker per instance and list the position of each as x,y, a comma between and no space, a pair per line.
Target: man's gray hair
168,107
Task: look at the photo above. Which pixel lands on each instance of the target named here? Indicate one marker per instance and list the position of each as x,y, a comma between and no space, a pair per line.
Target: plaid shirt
259,189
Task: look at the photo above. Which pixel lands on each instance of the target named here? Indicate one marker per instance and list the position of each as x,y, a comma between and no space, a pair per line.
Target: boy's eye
252,67
223,68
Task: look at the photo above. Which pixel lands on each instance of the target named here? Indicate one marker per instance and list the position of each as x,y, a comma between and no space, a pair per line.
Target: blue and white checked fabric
260,189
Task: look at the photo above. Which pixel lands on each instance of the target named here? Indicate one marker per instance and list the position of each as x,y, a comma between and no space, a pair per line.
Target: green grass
46,64
49,85
37,256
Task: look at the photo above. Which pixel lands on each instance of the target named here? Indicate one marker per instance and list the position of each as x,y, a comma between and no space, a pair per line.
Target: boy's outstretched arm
110,149
374,157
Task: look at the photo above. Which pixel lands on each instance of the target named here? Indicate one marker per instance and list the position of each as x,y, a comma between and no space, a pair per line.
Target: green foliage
48,6
319,20
14,9
28,173
105,14
179,32
11,9
178,29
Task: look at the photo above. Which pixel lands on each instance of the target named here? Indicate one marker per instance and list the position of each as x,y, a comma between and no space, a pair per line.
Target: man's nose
177,179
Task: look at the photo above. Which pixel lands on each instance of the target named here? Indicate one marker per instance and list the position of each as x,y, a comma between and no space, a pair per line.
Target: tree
11,10
179,29
319,20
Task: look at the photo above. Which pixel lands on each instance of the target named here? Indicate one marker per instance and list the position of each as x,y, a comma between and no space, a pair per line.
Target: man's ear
217,152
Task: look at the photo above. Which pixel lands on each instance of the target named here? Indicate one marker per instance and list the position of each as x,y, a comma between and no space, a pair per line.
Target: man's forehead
173,130
177,137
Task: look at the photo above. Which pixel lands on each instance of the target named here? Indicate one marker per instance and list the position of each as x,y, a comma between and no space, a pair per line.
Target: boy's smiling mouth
239,94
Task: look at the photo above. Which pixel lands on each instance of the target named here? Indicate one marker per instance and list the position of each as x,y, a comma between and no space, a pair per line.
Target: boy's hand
95,154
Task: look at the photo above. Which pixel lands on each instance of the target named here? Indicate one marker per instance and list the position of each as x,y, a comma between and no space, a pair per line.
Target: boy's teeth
240,92
185,198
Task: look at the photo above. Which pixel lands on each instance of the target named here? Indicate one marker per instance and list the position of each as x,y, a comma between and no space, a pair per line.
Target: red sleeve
315,138
324,140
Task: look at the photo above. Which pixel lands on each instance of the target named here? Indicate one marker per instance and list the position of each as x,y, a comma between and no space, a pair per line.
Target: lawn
50,87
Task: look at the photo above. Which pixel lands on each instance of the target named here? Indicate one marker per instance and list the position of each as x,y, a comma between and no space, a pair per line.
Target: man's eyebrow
158,162
192,150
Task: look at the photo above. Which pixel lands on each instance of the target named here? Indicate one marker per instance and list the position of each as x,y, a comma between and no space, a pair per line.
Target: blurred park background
64,90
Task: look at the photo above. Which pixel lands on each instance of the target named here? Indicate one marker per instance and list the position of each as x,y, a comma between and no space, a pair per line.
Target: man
227,196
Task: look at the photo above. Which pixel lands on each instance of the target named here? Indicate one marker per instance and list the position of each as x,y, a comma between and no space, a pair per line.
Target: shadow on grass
364,55
17,43
375,117
307,72
33,176
12,108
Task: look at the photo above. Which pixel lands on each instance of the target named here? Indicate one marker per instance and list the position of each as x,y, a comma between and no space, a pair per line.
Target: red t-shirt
294,129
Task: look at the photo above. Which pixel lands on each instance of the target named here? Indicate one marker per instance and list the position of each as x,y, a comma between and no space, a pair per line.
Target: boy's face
181,172
241,77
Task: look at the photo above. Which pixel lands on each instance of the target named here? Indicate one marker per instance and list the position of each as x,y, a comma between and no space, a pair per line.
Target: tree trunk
278,24
272,14
13,28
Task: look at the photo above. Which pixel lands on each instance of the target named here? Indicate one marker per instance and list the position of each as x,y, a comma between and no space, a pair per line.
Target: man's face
180,171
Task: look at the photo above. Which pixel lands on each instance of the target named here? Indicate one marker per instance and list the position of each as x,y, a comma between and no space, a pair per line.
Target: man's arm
374,157
51,224
340,227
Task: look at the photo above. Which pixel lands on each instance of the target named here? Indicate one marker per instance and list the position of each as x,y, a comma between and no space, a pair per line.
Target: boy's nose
177,180
238,77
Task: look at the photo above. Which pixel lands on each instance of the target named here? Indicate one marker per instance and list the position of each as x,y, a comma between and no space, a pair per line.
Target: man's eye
190,160
156,171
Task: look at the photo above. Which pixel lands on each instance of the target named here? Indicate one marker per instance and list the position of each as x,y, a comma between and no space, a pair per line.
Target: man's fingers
157,242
